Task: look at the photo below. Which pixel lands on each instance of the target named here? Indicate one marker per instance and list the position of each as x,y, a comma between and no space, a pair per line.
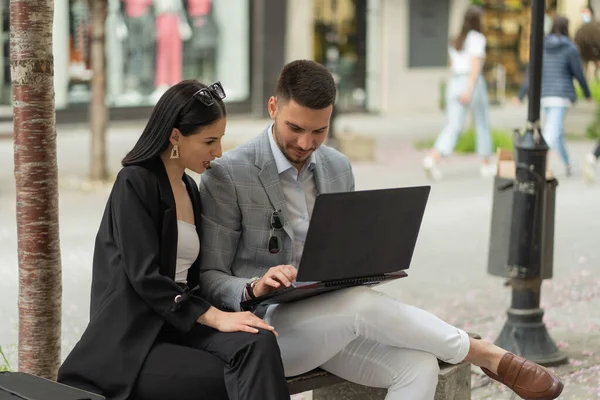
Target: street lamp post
524,332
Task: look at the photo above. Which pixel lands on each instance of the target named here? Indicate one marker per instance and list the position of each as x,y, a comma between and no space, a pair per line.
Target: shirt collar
283,164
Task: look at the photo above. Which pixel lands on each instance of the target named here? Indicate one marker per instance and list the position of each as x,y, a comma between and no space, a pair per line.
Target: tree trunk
36,175
98,109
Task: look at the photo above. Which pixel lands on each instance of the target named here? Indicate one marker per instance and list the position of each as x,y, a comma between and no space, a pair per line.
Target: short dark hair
177,108
560,26
307,83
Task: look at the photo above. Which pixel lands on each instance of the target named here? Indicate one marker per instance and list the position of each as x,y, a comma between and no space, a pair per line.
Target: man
257,201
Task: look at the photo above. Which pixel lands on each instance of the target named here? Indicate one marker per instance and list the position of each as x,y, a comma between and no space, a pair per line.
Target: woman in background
466,89
561,65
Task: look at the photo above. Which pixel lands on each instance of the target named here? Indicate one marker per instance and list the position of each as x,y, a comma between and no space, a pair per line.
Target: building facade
153,44
388,56
392,54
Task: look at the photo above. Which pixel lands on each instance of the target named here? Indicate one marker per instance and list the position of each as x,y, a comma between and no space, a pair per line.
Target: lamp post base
525,334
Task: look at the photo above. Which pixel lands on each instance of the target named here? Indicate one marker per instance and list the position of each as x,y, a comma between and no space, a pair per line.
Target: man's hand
233,321
275,278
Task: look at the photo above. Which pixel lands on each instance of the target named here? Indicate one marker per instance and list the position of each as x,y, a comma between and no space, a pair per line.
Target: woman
561,64
466,88
150,336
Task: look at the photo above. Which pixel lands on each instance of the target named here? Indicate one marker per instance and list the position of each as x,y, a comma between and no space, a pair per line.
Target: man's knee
427,368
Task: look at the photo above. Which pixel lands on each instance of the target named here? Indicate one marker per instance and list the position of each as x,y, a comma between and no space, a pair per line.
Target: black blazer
133,287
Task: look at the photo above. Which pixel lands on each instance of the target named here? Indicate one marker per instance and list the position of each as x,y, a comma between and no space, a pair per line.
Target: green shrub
593,128
467,143
594,90
4,365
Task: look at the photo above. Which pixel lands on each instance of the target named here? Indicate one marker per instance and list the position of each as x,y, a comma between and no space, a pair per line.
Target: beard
288,151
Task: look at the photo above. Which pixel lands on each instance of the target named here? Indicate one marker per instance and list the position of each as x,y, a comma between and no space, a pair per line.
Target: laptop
355,238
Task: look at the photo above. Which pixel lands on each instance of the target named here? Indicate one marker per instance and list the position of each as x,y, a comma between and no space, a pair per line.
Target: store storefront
150,46
340,44
507,27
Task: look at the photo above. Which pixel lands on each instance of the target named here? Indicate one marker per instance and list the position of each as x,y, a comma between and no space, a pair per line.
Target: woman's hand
465,99
233,321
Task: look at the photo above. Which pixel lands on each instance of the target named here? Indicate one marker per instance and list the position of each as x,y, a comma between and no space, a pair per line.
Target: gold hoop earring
175,152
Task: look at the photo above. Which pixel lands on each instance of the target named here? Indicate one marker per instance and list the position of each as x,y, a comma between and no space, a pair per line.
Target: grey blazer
238,194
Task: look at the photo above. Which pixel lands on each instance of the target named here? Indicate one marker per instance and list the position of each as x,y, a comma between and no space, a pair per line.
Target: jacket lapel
168,242
269,177
320,173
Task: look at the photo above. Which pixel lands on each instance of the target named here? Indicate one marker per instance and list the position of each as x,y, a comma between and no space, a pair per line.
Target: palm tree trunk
36,175
98,109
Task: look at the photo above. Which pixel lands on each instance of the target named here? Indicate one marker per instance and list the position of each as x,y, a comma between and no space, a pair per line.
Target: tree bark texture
98,108
36,175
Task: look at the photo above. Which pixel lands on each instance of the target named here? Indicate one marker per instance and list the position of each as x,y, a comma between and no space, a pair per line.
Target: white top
188,248
554,101
167,6
474,46
300,191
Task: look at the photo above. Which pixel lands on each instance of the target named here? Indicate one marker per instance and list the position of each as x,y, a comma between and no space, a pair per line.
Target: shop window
428,33
507,27
153,44
339,44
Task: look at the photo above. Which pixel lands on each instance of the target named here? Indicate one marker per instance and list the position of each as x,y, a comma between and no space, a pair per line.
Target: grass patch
594,91
467,141
4,364
593,129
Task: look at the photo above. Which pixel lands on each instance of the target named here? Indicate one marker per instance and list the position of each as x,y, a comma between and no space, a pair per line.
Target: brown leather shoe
527,379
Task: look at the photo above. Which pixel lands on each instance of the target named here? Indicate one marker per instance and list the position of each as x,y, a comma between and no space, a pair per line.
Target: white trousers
368,338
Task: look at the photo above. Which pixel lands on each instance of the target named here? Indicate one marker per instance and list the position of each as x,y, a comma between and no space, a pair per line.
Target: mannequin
172,29
80,66
201,52
140,46
116,33
80,69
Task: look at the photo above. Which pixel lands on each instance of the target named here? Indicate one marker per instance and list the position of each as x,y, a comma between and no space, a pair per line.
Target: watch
250,286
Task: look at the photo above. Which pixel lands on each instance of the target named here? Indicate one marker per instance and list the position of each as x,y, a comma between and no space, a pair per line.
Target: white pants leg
314,331
408,374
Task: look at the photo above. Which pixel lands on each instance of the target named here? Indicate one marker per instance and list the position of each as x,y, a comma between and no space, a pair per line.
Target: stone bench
454,383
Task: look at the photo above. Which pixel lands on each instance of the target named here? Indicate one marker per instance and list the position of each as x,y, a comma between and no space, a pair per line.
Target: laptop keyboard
356,281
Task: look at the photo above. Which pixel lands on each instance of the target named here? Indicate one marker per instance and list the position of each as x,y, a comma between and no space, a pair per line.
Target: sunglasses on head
207,95
276,224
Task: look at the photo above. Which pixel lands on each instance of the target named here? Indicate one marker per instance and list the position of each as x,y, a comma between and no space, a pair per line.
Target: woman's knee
265,342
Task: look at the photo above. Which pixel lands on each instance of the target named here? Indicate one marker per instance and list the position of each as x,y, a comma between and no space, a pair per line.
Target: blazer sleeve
221,231
138,242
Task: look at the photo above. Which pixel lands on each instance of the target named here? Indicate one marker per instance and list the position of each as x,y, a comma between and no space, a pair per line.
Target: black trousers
206,364
597,151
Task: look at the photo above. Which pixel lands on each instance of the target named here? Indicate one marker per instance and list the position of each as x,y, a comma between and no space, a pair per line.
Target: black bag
21,386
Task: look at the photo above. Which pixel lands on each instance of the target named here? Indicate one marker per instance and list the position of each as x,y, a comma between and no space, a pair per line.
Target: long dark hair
471,22
560,26
177,108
